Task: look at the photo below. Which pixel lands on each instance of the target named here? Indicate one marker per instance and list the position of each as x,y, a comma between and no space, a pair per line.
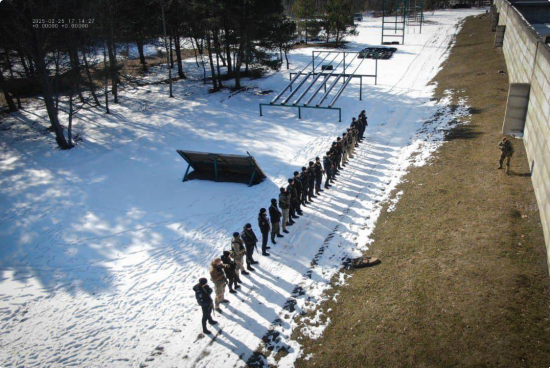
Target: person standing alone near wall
506,153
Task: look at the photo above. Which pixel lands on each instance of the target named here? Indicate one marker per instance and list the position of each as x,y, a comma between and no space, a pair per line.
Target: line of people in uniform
300,191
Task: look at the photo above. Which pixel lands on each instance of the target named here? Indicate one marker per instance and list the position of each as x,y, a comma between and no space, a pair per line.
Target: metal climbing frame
394,17
337,68
415,14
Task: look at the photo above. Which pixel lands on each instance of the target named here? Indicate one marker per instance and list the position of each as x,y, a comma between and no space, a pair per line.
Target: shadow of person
522,175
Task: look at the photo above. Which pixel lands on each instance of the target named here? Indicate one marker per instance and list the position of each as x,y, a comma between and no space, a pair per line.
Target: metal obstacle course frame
327,74
394,15
397,15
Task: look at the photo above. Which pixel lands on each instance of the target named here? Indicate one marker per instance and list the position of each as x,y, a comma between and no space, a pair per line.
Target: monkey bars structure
338,67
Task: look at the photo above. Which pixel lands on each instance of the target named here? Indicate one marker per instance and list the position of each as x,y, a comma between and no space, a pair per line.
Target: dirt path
464,279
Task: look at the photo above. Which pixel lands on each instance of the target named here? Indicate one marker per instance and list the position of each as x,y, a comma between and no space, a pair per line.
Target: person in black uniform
311,179
318,169
304,178
250,240
263,224
293,199
299,191
202,293
339,153
230,271
327,164
275,217
364,123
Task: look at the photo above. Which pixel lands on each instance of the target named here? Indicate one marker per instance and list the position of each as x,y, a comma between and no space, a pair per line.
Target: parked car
358,17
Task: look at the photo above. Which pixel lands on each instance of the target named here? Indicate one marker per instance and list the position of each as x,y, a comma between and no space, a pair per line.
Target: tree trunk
70,127
286,57
9,99
238,66
56,79
178,56
90,80
8,62
113,68
75,62
195,51
228,52
47,93
24,63
171,54
209,46
106,81
217,46
139,43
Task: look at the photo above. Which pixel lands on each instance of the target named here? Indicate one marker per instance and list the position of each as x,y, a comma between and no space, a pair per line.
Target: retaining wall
528,61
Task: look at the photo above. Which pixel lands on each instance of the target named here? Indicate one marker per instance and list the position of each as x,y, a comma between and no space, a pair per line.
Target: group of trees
73,48
333,18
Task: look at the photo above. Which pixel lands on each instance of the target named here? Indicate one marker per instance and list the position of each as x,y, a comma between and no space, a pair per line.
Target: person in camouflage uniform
351,142
507,151
238,249
217,275
344,143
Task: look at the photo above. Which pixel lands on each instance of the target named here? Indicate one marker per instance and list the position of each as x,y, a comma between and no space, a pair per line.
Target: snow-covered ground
101,245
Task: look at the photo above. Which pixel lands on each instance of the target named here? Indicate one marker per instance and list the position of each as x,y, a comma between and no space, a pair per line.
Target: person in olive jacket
263,224
202,293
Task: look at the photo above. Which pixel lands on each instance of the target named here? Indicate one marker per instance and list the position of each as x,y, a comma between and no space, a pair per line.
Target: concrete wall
528,61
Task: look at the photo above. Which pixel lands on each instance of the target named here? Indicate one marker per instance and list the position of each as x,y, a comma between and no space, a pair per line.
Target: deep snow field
101,245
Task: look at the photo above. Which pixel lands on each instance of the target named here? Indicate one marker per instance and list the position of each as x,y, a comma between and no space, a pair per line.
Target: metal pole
299,112
361,89
339,115
261,110
345,63
302,95
297,88
376,71
312,58
347,81
186,172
